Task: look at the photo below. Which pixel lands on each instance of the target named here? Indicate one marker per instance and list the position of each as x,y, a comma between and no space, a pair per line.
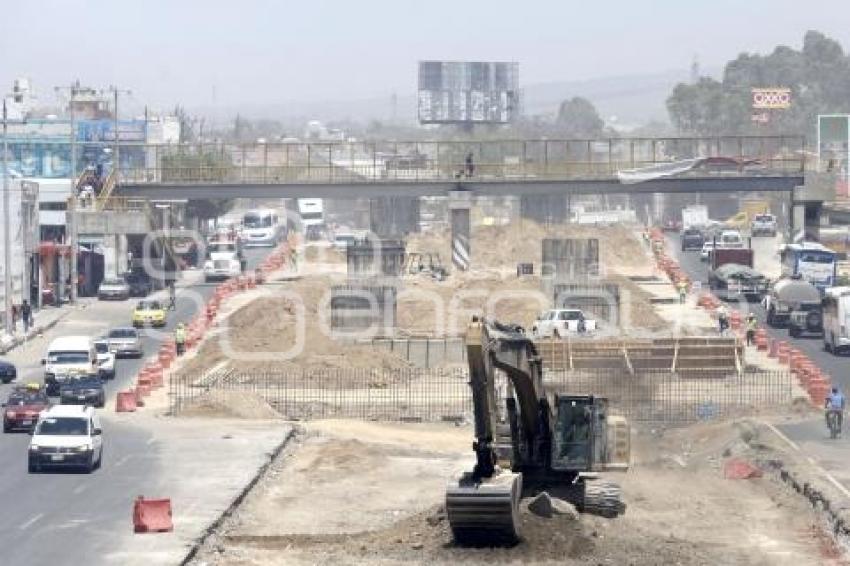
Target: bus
262,227
810,261
836,319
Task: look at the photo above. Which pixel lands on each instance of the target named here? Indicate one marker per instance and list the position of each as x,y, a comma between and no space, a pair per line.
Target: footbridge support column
460,204
393,216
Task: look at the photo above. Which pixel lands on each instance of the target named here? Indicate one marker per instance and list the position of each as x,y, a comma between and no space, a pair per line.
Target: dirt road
364,493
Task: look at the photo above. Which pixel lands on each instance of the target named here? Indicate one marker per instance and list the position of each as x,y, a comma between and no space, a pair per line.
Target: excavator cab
575,430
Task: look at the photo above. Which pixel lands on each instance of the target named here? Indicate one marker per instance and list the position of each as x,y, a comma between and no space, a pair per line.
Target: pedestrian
26,316
722,320
470,166
752,325
14,318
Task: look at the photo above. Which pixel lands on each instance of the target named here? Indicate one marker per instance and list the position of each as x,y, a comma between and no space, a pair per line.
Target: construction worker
682,286
180,338
722,320
752,325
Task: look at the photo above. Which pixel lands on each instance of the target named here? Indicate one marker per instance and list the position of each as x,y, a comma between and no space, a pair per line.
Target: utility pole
116,161
7,230
71,228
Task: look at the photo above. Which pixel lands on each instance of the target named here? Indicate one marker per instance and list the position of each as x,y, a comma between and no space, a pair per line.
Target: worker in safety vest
682,286
752,325
180,338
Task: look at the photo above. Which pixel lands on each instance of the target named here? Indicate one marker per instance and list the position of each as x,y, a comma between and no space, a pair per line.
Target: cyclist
835,404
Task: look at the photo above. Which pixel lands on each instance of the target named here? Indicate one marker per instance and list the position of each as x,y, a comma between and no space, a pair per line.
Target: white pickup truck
763,225
558,323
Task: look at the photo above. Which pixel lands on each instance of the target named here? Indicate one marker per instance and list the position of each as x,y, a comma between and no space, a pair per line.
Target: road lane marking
812,462
787,440
31,522
80,488
122,461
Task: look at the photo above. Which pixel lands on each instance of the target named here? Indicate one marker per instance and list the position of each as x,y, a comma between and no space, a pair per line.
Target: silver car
113,288
125,342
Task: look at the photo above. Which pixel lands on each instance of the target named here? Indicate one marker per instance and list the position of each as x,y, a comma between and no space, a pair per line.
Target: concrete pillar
806,218
394,216
460,203
545,209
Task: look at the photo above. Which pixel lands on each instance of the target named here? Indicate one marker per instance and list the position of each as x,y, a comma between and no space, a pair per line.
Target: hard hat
33,387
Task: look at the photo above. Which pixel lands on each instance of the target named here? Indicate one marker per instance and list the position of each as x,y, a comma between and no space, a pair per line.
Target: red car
21,409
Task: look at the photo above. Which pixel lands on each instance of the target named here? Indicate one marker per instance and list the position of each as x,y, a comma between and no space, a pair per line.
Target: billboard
101,131
468,92
771,98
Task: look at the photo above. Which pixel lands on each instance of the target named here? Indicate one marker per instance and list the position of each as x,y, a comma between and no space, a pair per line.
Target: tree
577,117
697,108
818,76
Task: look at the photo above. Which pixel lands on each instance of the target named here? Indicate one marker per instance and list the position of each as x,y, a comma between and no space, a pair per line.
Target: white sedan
558,323
705,253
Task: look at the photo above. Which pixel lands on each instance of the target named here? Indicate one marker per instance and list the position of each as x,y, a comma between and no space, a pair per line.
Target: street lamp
7,229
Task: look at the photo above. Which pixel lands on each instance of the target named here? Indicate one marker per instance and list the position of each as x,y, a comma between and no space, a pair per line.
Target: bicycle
833,421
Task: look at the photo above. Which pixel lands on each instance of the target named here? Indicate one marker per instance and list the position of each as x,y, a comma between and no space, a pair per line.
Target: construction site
691,472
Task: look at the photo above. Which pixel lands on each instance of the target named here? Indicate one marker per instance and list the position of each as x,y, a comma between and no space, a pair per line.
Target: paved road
836,366
66,518
810,435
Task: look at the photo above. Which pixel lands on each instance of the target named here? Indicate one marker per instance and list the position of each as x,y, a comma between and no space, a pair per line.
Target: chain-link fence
432,395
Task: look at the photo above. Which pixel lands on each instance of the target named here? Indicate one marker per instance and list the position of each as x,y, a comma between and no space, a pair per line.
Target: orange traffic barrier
156,375
142,390
125,402
140,401
143,382
773,348
165,359
783,352
152,515
735,319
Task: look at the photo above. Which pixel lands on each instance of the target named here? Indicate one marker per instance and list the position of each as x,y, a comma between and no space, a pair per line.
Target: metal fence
432,395
424,353
417,161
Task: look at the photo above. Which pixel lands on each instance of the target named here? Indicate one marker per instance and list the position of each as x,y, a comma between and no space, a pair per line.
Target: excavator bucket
485,511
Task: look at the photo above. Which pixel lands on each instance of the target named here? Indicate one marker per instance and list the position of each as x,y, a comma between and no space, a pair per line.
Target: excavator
553,442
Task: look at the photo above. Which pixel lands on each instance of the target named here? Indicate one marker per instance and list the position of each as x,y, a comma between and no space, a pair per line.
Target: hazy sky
264,51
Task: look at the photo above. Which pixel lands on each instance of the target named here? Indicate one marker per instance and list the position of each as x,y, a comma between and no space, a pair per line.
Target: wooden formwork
687,355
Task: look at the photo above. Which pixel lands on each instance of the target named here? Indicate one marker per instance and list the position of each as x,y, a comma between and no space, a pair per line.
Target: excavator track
602,498
485,511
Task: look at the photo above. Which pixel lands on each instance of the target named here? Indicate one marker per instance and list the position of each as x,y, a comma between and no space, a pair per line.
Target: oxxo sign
771,98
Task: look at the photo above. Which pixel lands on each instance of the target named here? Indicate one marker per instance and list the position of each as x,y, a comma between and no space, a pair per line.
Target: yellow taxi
149,313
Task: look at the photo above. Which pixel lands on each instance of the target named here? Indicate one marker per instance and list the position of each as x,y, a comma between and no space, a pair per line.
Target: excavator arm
484,502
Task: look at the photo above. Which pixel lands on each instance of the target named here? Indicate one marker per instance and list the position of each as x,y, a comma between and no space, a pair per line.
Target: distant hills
630,100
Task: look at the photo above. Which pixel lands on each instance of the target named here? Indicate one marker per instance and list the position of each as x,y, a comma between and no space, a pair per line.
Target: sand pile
285,331
229,404
502,247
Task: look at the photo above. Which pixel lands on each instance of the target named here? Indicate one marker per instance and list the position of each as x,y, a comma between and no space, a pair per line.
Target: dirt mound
229,404
287,330
503,247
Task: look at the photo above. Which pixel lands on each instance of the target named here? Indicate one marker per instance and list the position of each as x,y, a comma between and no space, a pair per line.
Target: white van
66,436
836,319
66,357
261,228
